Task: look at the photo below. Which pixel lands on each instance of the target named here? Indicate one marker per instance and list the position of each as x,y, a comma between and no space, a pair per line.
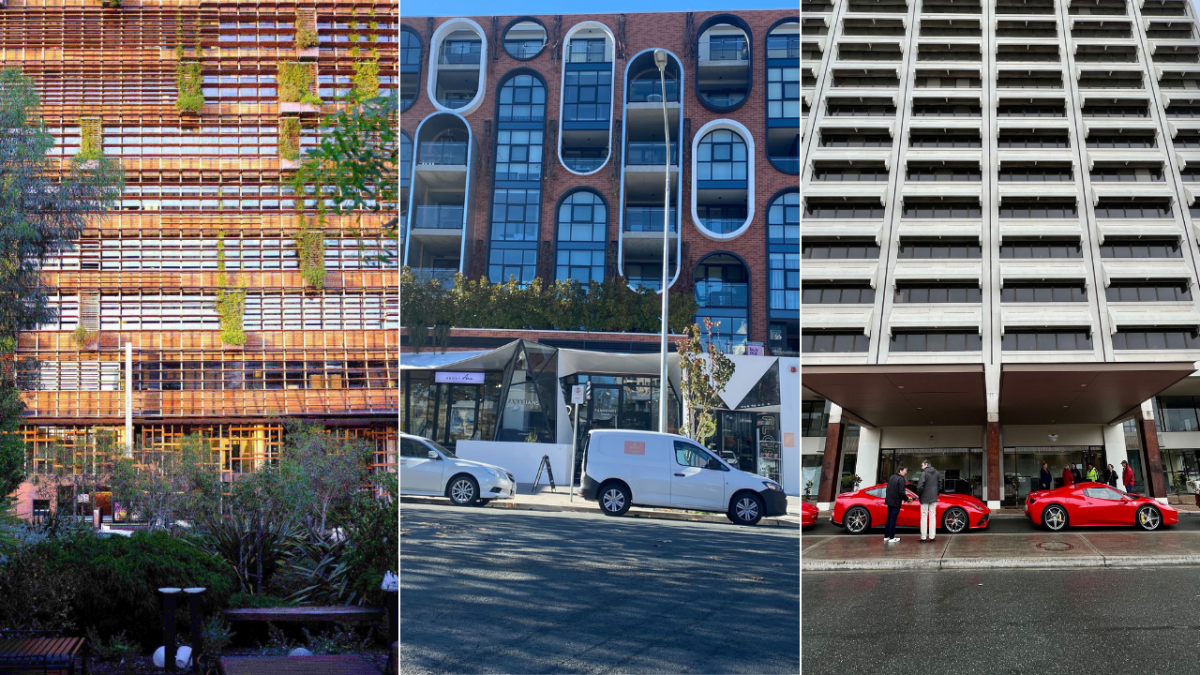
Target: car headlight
491,471
772,485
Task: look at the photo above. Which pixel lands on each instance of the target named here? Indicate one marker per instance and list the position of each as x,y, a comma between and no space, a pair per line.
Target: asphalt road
1188,522
1117,621
495,591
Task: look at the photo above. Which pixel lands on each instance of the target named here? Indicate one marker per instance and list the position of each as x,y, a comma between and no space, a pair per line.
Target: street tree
332,470
45,203
164,485
704,371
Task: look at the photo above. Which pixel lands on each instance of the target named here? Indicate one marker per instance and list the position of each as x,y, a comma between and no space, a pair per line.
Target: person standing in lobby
894,498
1068,477
1047,481
1111,478
1127,475
927,492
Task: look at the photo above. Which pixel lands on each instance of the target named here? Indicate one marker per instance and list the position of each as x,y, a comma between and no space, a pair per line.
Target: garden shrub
295,81
108,585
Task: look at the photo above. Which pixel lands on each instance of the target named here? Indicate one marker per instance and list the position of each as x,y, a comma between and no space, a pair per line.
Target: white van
644,468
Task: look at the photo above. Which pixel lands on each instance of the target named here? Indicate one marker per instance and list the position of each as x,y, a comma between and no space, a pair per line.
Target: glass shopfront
1181,470
1023,467
961,468
619,402
749,441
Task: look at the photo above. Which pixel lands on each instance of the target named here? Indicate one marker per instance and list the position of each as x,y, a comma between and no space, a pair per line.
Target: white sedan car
430,470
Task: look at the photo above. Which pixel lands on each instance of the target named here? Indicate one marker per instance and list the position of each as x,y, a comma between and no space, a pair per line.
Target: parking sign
577,393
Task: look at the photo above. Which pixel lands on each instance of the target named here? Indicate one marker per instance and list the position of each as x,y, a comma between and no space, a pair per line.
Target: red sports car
1096,504
864,509
808,514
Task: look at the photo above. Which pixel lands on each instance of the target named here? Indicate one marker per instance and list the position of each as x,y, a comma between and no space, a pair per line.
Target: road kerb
934,564
632,513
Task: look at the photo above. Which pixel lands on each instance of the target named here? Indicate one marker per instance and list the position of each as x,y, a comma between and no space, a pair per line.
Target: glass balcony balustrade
456,52
439,218
651,91
722,294
650,153
647,219
443,152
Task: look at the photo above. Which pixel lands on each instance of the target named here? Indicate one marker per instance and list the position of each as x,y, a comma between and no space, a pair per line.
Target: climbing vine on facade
295,83
289,138
90,140
231,304
310,248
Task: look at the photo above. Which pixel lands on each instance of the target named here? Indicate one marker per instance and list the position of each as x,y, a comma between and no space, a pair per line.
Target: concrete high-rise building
205,189
1000,240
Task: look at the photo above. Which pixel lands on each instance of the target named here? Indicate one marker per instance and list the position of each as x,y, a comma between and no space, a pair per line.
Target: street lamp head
660,59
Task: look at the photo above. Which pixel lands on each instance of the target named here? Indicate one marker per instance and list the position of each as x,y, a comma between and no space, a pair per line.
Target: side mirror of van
433,455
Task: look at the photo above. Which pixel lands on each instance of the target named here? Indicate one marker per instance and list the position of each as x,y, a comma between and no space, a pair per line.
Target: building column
867,466
1115,450
992,458
1148,433
831,461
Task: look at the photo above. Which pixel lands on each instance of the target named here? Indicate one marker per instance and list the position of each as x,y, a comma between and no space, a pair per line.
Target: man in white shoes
894,498
927,492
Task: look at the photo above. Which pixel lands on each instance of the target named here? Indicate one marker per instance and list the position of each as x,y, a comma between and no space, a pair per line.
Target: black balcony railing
783,47
728,49
647,219
439,217
650,153
442,152
651,91
459,52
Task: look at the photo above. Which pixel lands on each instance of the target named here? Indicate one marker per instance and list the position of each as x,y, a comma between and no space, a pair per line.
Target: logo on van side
635,447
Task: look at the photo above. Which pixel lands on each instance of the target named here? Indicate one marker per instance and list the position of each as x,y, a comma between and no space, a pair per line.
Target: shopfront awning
492,359
897,396
1082,393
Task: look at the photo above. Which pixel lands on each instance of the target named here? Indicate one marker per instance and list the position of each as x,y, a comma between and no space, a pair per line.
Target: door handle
680,475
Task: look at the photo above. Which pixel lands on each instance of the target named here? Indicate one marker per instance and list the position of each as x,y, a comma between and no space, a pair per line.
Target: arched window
582,231
722,156
783,95
721,182
724,52
783,273
410,66
722,291
647,87
783,219
522,99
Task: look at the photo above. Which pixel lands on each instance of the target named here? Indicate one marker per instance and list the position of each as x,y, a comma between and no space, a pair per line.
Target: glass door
462,414
768,457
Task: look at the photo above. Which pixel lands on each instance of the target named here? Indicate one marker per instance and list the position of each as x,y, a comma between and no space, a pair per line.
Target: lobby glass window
832,342
916,249
1046,340
1030,249
937,341
843,294
721,156
588,94
515,215
522,99
518,155
1156,338
842,249
814,418
1140,248
938,293
582,227
1172,291
1040,292
783,219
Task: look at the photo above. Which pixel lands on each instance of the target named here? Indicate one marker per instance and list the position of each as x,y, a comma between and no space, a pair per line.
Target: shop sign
441,377
754,350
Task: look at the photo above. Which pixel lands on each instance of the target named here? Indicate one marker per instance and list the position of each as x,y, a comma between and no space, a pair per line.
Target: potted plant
296,82
86,340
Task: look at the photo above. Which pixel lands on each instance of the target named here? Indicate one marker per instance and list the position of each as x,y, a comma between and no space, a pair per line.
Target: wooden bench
341,613
40,652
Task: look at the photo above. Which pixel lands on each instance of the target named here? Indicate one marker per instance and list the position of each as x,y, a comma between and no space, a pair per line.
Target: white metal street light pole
660,60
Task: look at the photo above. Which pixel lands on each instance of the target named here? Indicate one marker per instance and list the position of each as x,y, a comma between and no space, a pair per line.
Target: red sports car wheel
1148,518
1054,517
857,520
955,520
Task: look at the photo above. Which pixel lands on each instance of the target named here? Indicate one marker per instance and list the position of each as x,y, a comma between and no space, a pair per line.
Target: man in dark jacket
1047,478
927,492
894,498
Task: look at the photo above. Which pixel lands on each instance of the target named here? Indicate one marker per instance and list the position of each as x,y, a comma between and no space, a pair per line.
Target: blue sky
536,7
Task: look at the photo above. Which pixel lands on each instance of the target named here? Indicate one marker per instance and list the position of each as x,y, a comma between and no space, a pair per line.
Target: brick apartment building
534,147
205,188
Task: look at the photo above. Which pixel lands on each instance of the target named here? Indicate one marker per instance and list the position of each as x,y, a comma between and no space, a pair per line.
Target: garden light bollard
169,627
194,609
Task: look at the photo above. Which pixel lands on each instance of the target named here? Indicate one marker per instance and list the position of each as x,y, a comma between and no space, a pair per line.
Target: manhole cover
1055,546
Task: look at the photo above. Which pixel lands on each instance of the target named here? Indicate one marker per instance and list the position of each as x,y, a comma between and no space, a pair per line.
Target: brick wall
642,31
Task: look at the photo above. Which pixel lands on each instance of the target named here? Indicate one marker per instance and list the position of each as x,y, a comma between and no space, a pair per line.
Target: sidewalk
823,553
545,500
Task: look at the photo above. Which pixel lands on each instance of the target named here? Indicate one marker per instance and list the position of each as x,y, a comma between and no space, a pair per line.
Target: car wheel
1148,518
463,491
1054,517
955,520
615,499
746,509
857,520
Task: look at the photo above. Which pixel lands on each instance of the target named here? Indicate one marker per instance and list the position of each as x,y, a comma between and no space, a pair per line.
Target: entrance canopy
902,396
952,395
1082,393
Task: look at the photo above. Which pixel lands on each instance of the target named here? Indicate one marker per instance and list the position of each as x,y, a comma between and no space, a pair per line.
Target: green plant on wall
83,337
306,33
310,248
295,83
90,142
366,79
289,138
231,304
189,78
